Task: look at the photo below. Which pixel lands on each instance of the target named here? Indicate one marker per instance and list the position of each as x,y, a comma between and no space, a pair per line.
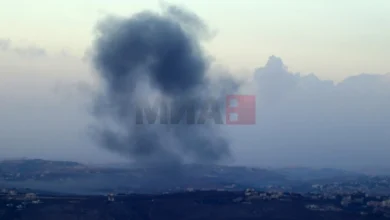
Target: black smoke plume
161,54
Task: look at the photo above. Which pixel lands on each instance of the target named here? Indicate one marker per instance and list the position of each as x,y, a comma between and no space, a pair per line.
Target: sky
333,39
335,112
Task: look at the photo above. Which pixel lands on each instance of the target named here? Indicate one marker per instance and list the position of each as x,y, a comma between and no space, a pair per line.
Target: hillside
208,205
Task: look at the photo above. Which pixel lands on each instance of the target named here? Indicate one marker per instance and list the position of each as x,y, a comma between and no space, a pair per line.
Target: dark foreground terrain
189,205
39,189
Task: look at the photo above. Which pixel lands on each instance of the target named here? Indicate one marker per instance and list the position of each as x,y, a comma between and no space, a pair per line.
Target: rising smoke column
161,54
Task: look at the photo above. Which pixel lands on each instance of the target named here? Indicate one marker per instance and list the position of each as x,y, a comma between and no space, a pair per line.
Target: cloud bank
303,120
29,51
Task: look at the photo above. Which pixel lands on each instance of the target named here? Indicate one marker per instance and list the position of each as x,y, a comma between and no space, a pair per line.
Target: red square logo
240,109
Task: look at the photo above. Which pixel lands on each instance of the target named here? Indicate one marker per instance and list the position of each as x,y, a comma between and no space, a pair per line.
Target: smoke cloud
152,56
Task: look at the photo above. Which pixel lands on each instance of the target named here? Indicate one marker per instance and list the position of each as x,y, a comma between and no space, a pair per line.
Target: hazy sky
333,39
302,119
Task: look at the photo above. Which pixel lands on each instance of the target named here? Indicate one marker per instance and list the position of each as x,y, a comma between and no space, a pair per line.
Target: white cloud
4,44
303,120
29,51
